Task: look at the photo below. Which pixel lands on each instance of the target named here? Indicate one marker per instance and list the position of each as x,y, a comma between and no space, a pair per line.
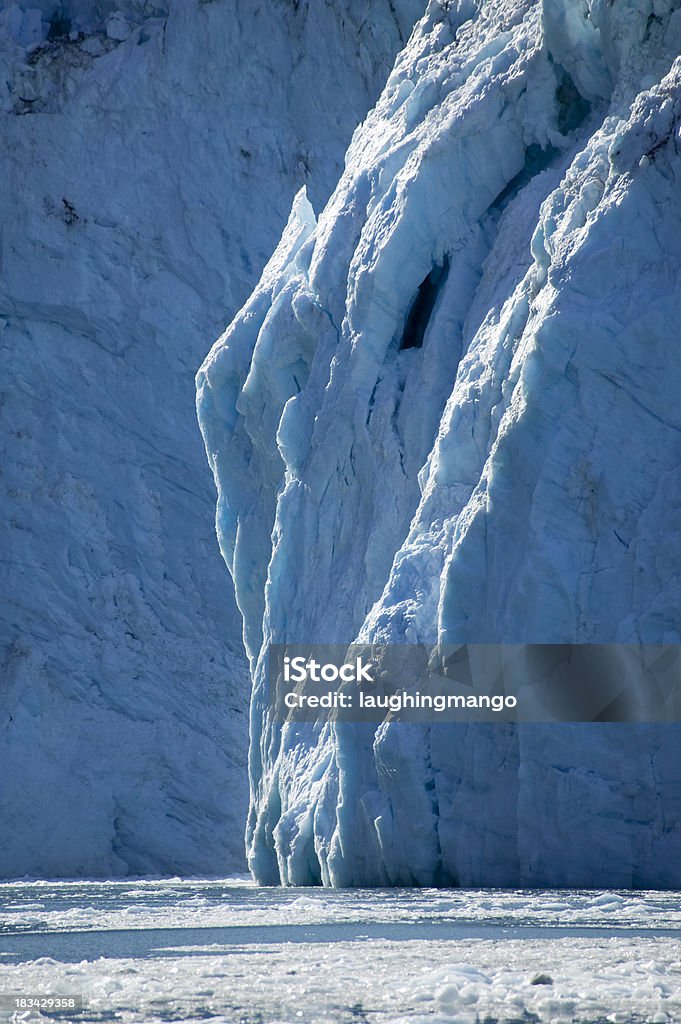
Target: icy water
192,950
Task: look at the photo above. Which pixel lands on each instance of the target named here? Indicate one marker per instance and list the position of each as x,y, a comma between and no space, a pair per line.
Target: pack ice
450,412
151,150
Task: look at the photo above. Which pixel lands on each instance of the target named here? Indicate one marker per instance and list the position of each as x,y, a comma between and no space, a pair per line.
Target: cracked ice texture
514,479
151,150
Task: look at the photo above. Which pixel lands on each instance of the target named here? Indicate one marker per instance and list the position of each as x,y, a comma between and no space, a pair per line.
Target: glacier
448,413
151,151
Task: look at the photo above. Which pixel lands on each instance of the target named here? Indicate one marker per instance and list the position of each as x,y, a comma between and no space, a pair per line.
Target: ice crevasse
449,412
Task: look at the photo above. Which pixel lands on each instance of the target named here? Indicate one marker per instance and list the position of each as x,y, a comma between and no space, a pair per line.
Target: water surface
227,950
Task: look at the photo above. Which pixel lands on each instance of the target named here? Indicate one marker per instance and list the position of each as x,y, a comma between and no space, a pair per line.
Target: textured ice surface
229,951
449,412
151,149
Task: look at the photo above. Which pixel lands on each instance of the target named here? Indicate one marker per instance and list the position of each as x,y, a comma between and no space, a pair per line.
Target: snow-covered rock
449,413
151,150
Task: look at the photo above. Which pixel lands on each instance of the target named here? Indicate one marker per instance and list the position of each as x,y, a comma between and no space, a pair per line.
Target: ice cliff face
151,150
449,412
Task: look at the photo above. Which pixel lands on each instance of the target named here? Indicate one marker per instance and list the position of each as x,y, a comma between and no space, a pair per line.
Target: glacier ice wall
151,150
449,412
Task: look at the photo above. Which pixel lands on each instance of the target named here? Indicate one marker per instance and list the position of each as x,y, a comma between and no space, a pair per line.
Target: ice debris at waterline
449,413
224,950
